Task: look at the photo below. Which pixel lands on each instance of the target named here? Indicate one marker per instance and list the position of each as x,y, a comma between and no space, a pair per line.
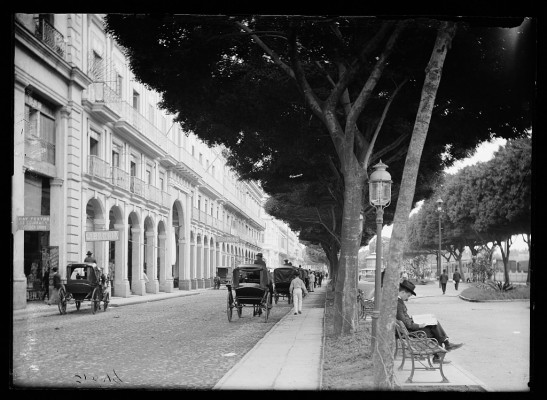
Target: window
133,169
213,171
201,158
136,100
199,202
93,147
94,141
148,177
162,180
151,113
193,151
119,81
97,67
39,130
205,208
115,158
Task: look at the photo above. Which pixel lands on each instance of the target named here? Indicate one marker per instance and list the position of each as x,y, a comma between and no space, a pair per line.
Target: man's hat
89,253
259,254
407,285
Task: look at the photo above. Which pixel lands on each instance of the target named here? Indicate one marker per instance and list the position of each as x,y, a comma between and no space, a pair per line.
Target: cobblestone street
179,343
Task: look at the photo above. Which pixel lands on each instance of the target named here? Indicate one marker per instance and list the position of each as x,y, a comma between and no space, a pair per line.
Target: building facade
280,243
99,167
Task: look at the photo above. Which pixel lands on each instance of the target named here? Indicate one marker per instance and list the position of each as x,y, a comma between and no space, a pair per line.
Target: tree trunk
529,259
382,356
345,292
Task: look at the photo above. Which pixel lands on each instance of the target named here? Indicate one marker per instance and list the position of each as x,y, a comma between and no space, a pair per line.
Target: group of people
456,277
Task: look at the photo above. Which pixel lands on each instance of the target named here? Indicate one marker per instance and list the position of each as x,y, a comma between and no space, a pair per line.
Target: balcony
103,102
118,178
50,36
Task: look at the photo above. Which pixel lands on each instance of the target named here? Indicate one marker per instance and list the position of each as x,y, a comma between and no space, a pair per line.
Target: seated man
406,289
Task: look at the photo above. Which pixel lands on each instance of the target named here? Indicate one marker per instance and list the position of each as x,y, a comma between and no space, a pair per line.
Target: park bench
419,348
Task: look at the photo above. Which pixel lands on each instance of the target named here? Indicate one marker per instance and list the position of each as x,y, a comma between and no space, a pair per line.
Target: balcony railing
136,186
50,36
117,177
99,168
38,149
120,178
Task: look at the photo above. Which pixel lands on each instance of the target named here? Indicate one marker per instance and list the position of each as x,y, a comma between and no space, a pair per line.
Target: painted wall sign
97,236
33,223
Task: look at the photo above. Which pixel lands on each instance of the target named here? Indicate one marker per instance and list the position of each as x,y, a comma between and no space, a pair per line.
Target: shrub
483,292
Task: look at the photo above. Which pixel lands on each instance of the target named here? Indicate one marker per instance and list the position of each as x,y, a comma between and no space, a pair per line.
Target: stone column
152,286
137,278
18,195
166,280
184,264
121,284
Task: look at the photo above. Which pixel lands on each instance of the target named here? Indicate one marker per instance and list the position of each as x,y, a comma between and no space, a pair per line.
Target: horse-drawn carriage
282,277
250,286
83,283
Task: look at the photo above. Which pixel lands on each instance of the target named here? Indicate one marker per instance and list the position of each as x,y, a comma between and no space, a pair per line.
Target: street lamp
379,191
440,211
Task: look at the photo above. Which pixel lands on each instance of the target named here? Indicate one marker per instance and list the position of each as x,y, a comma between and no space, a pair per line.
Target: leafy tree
262,85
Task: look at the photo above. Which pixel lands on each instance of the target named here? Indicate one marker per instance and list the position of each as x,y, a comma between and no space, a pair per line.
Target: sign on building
97,236
33,223
228,239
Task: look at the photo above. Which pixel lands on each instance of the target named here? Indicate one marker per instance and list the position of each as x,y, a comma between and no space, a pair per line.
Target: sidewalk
288,357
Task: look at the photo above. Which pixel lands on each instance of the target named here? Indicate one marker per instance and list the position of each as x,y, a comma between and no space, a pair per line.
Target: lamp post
440,211
379,191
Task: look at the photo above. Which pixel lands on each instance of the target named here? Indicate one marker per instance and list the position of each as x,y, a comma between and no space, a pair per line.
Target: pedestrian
319,279
406,289
298,292
307,278
457,278
90,258
259,260
312,281
57,285
45,285
443,279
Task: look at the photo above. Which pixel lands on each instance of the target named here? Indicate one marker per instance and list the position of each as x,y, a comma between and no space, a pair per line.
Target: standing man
90,258
443,280
312,281
260,261
457,278
45,285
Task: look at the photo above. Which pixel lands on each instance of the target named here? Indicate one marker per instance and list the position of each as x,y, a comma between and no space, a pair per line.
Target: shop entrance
34,266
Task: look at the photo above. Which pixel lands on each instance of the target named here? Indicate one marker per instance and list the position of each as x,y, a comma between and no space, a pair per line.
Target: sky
483,153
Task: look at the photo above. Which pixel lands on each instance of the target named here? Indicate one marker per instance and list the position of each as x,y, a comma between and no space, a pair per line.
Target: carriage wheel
267,308
78,304
229,309
95,300
62,301
106,300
